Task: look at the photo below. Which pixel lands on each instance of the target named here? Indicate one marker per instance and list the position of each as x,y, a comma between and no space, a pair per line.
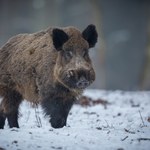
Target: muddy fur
50,67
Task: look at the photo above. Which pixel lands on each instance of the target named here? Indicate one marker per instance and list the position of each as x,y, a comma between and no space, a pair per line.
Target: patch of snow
123,125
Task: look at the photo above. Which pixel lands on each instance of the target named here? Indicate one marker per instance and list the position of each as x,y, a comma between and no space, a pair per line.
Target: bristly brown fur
36,67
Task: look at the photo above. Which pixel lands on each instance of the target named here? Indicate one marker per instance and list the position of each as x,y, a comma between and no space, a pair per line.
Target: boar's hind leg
2,120
2,115
9,108
58,110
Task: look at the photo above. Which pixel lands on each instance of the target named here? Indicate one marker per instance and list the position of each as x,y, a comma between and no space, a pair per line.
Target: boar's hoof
58,123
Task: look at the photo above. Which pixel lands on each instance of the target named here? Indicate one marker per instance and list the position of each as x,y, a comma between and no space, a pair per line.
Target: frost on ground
121,121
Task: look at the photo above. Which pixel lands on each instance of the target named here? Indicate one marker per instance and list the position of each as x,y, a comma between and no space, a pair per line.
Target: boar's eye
68,55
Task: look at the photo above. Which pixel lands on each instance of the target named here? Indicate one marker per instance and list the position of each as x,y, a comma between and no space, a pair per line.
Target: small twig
107,123
38,119
28,115
124,138
142,119
143,139
132,132
108,126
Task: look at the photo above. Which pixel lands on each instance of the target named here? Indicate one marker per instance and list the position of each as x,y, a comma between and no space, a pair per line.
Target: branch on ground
87,101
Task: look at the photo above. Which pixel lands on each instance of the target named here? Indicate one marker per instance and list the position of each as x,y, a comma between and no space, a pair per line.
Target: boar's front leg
57,108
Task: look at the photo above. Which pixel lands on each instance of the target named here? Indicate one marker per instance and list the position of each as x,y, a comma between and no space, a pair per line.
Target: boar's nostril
83,83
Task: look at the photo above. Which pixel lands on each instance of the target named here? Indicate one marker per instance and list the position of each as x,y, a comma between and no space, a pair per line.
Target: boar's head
73,67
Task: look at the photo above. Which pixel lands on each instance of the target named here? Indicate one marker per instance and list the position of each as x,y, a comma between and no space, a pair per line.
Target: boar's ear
59,38
90,35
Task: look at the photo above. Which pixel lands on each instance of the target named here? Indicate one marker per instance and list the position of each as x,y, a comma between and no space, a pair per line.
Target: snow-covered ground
123,125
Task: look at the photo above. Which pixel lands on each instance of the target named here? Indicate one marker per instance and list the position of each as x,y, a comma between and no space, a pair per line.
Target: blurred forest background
122,55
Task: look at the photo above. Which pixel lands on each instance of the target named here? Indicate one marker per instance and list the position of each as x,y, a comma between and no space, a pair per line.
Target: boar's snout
80,79
82,83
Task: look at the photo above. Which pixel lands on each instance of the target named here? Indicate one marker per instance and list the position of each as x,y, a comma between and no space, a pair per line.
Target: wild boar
51,67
